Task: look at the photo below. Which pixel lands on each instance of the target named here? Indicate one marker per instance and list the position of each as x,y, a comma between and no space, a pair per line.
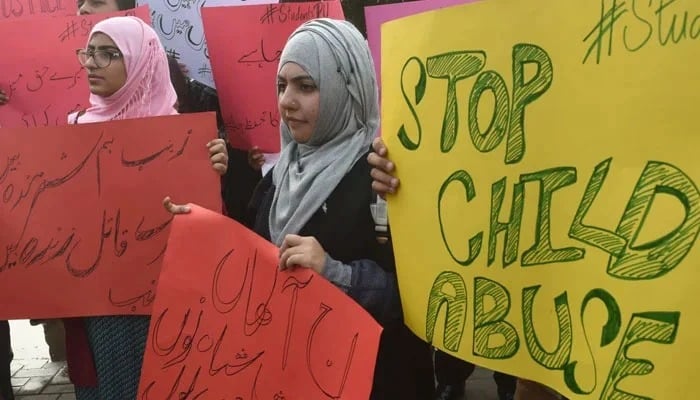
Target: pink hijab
148,91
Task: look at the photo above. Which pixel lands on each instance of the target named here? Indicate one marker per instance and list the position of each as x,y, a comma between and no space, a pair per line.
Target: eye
307,86
101,56
281,86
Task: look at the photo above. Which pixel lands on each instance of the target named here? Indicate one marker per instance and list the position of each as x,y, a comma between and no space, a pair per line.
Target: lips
94,77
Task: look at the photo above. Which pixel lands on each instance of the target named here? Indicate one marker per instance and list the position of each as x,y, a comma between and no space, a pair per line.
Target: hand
302,251
183,68
218,155
174,208
256,158
383,180
3,98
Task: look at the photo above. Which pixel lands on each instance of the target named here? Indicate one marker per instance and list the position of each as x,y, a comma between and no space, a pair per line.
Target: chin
300,137
97,91
100,91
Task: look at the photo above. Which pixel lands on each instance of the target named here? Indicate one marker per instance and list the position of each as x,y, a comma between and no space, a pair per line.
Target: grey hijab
336,56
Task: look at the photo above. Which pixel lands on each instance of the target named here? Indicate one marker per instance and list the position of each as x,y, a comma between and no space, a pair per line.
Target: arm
239,184
370,280
372,286
375,289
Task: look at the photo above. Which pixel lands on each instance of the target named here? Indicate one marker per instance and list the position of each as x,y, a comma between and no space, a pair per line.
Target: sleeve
202,98
372,283
375,289
238,184
257,209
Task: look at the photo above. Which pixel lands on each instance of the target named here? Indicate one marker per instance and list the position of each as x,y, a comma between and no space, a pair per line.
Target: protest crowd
320,199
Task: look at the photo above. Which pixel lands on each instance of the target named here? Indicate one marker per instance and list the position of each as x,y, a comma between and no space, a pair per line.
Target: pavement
35,377
481,386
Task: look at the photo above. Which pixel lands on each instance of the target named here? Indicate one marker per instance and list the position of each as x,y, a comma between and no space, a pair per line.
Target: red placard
228,324
83,226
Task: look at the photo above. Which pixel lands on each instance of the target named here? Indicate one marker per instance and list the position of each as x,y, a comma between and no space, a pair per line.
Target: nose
84,9
286,100
90,63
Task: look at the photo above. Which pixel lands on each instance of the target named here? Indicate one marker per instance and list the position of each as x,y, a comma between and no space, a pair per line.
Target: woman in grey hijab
316,202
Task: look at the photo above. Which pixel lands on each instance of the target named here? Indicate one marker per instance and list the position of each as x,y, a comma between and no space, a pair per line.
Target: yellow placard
547,216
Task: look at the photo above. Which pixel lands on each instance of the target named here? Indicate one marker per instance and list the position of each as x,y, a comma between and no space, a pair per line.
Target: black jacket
345,228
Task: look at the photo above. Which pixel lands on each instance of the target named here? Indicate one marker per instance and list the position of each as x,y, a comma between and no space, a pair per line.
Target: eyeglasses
102,58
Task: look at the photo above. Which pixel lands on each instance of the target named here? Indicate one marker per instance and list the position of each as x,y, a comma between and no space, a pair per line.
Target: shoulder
261,198
353,196
73,118
358,180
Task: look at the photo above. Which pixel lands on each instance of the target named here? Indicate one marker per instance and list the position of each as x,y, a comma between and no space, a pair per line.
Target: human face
87,7
105,80
298,100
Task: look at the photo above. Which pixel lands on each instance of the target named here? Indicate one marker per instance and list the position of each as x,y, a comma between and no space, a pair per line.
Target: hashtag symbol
71,30
204,70
604,26
172,53
269,15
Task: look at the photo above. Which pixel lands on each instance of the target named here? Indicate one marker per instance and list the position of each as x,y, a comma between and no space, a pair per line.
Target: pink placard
377,15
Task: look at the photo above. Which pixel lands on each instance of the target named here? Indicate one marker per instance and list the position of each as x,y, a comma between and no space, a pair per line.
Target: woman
244,166
129,78
315,203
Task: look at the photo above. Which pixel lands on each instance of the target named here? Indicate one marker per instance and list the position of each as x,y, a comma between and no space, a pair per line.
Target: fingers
379,147
291,241
377,161
219,156
385,179
254,152
290,246
217,146
215,142
3,98
168,204
220,168
283,260
288,256
218,150
259,158
297,260
383,183
256,158
381,189
183,68
174,208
